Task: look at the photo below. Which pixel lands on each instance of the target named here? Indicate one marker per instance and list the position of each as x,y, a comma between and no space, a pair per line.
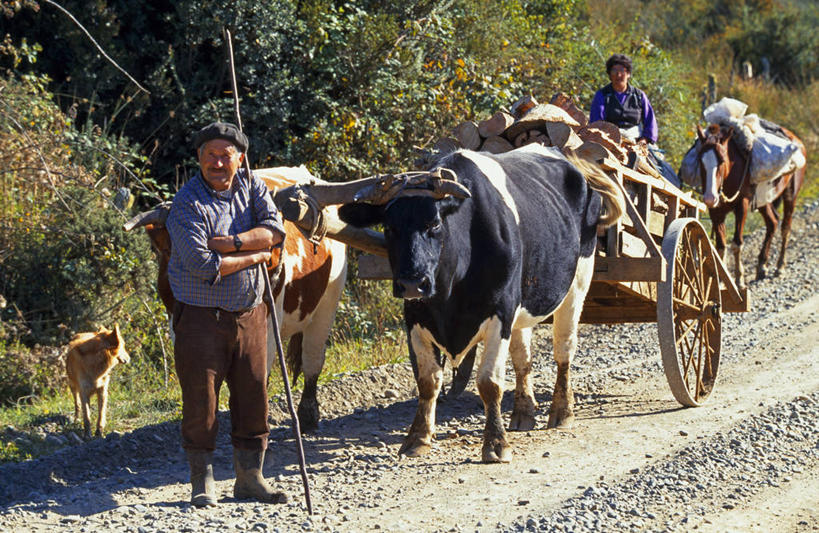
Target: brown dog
90,359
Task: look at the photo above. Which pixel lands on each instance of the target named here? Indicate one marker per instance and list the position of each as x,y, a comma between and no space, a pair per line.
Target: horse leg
718,223
788,207
740,214
769,216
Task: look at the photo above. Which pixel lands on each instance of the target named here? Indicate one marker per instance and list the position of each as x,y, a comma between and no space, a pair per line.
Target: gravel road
634,461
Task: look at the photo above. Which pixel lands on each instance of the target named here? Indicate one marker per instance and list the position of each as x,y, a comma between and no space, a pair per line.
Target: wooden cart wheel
689,312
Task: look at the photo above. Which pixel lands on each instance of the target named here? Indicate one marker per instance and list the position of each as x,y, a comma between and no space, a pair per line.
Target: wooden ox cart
656,264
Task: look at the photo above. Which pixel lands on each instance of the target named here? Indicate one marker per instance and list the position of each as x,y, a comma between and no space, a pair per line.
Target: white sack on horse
727,108
772,154
689,167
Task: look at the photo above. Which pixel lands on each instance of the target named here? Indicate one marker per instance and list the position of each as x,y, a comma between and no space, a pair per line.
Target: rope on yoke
318,228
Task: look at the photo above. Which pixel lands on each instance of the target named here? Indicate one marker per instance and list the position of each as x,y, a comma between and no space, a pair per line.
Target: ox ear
700,133
728,133
449,204
361,215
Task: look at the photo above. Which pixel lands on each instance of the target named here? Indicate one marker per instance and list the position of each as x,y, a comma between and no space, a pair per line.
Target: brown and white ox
306,290
726,188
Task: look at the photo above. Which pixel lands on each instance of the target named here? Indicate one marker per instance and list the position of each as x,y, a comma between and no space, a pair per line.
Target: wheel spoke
703,341
690,346
684,335
685,309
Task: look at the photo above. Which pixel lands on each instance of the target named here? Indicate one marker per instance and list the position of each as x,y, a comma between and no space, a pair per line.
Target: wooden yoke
306,205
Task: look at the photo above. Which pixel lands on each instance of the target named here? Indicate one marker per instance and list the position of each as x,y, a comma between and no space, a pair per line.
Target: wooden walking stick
269,295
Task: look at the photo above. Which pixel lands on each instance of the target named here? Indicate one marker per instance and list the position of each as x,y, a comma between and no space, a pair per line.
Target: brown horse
727,188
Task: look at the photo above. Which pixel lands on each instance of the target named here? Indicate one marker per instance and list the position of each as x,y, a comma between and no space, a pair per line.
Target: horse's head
714,163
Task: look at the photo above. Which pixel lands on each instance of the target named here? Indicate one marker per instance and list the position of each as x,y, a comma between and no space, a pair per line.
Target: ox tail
293,356
613,203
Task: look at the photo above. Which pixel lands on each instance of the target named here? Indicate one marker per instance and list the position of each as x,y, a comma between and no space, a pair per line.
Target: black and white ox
487,263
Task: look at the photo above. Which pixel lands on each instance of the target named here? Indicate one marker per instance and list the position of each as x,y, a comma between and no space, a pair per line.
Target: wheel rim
689,313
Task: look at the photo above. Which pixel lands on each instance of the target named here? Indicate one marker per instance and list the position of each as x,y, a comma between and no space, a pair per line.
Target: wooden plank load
559,123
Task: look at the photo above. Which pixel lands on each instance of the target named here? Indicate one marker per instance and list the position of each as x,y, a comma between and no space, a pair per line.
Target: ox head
714,163
412,209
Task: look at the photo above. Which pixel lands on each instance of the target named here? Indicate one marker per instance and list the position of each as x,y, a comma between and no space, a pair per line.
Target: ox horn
437,184
447,184
156,216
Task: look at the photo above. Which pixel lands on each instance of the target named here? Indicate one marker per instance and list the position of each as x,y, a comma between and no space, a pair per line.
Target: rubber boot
249,481
203,488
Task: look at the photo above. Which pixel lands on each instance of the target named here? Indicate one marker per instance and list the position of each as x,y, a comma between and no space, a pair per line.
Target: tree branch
69,15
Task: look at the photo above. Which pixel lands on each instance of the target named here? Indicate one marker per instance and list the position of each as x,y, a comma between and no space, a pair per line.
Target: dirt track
634,460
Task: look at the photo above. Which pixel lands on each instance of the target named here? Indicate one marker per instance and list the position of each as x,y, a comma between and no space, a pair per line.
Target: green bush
27,374
66,265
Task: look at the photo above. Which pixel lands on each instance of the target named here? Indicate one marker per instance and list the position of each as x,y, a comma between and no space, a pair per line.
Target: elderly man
222,225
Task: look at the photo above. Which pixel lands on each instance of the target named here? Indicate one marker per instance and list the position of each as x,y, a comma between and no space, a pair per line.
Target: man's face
219,160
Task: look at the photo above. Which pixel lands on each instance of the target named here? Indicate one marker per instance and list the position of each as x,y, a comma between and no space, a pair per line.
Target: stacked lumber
559,123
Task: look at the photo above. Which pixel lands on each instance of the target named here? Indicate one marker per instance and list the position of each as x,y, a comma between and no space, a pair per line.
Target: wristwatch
237,242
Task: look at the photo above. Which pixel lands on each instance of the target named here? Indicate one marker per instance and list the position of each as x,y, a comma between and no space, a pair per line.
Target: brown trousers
212,347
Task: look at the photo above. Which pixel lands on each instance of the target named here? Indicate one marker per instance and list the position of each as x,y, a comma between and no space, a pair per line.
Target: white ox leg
490,380
566,319
429,381
313,345
523,414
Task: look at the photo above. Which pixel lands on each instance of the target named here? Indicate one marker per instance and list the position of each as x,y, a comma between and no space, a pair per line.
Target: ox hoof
414,447
522,422
561,418
496,451
761,274
308,414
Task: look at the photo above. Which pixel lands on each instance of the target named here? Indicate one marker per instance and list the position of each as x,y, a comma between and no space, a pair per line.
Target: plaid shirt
199,213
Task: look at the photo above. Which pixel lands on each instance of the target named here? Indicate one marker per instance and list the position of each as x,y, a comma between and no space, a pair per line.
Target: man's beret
221,130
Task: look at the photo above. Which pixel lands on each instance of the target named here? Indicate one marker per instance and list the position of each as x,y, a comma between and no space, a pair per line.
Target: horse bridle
711,142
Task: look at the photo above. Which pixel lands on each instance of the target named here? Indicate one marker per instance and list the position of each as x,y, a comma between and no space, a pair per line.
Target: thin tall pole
276,334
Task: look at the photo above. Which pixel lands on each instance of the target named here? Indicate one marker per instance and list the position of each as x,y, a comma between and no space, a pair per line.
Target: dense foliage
65,263
346,88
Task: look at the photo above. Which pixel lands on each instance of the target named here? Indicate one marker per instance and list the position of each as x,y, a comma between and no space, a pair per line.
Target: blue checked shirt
198,213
